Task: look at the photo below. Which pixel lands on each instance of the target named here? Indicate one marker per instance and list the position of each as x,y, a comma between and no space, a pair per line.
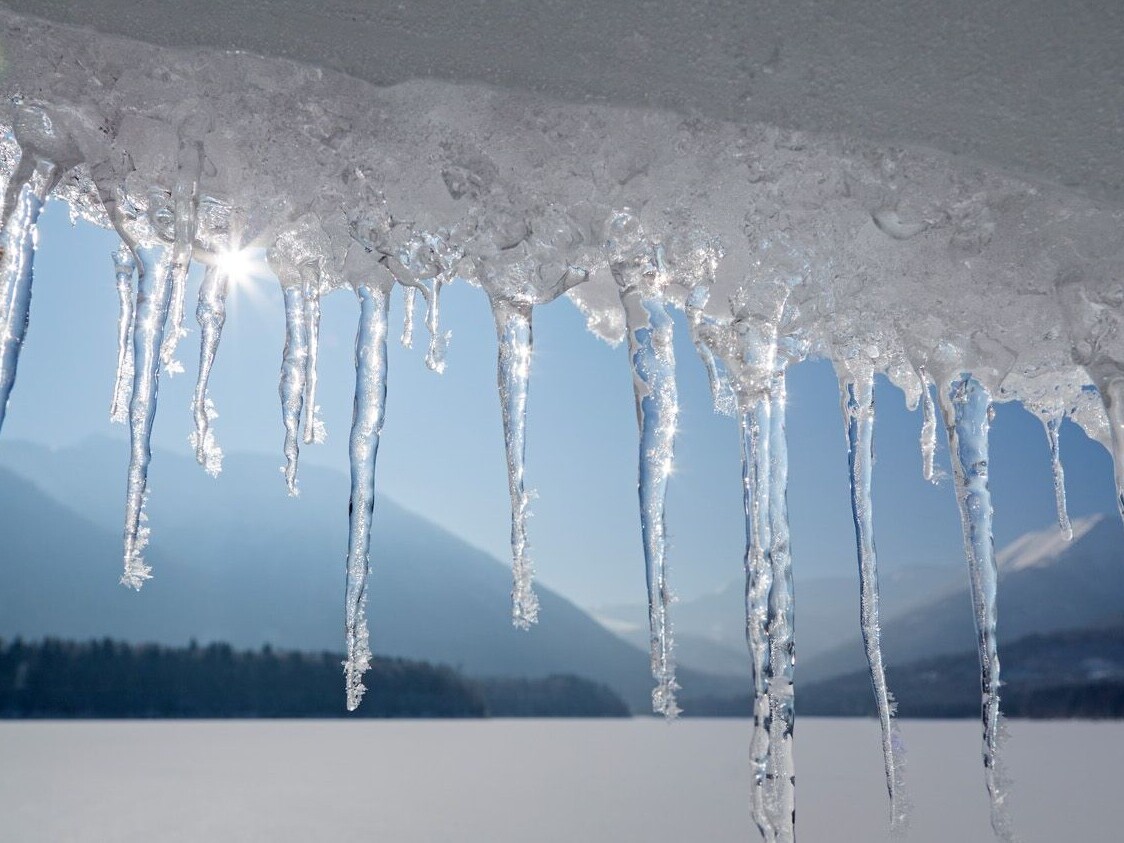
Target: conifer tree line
109,679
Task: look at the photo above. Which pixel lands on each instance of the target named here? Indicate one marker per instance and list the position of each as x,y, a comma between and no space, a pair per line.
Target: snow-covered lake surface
496,781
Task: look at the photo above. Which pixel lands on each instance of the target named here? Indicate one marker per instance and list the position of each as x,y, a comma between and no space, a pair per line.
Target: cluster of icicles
746,357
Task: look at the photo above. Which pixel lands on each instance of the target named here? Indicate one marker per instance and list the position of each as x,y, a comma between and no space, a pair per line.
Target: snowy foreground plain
496,781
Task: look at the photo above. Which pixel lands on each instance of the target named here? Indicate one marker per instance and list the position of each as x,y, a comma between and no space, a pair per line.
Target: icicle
928,428
431,292
438,342
211,315
293,367
1112,393
1053,426
657,408
858,413
513,329
780,798
366,425
720,390
185,205
968,418
313,428
125,266
755,425
23,202
410,300
154,287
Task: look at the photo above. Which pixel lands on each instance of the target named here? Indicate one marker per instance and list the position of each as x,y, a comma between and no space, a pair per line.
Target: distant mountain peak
1041,548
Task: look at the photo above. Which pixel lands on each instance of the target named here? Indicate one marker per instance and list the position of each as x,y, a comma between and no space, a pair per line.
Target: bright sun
238,265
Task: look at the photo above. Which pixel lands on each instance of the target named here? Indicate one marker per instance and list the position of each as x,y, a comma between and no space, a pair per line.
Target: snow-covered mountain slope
1044,586
711,628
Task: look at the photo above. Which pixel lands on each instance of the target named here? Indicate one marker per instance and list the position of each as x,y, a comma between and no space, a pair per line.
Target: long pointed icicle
313,427
23,204
366,426
125,266
513,373
928,429
755,426
968,418
1112,393
781,791
657,408
211,315
1053,426
153,298
858,413
293,368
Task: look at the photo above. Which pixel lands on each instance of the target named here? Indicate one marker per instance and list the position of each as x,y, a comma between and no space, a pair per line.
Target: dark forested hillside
110,679
1069,674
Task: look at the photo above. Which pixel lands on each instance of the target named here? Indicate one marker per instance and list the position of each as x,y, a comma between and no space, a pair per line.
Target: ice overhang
902,188
1035,86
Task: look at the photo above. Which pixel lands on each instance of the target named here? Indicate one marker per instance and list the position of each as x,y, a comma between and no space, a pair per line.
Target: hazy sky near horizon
442,449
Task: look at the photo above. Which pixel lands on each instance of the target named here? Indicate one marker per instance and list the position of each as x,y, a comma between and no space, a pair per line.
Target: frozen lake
503,780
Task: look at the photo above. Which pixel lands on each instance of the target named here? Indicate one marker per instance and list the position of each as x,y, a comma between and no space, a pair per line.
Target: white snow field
926,191
636,781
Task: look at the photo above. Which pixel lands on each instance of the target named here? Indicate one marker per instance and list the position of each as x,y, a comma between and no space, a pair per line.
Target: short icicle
513,373
755,424
858,414
125,267
720,392
967,410
409,302
22,206
438,341
781,773
430,288
1053,426
366,426
154,286
211,315
652,356
293,367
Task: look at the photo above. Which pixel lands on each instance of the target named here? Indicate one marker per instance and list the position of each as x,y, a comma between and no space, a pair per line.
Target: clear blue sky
442,451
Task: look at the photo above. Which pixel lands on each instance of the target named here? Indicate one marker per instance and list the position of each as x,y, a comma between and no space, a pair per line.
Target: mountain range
1067,673
236,560
1046,585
